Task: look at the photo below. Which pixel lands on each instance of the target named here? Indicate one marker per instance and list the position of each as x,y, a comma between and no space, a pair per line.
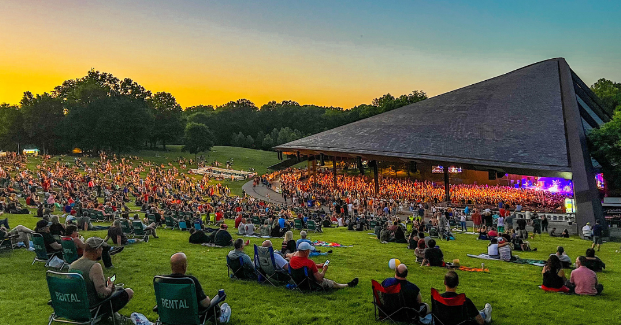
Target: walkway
261,192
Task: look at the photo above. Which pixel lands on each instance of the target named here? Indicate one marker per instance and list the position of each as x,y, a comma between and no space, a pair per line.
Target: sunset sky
333,53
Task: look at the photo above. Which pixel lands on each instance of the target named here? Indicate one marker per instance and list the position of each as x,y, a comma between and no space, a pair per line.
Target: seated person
179,266
504,249
265,229
73,235
483,233
56,229
565,260
314,251
554,275
584,280
241,229
492,248
221,237
565,233
84,222
587,231
492,233
281,263
386,235
400,235
96,285
250,229
150,229
451,281
300,259
419,251
553,233
411,293
51,246
433,255
238,252
593,262
20,232
289,245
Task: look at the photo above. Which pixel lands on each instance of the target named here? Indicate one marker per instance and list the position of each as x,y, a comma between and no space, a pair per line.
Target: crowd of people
404,192
79,192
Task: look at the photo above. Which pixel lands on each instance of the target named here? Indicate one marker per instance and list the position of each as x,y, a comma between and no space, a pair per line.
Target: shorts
537,230
327,284
597,240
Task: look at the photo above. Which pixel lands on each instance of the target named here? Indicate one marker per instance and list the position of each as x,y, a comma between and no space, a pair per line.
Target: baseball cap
224,226
94,242
304,246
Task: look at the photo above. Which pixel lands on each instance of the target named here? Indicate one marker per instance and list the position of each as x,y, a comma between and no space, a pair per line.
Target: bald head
267,243
401,272
178,263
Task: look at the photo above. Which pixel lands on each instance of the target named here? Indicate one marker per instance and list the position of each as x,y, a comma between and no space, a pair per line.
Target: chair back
384,298
182,225
212,217
303,279
449,311
169,221
125,226
70,252
197,226
151,218
138,230
236,266
311,225
39,246
264,259
176,300
298,224
68,295
256,220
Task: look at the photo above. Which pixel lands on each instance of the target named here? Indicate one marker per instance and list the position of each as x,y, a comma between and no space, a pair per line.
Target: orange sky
333,55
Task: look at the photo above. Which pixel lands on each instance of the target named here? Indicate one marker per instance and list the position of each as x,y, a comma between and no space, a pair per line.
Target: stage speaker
360,167
413,167
492,175
500,174
321,160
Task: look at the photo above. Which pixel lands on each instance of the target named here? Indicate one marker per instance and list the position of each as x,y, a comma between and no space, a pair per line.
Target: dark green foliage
197,138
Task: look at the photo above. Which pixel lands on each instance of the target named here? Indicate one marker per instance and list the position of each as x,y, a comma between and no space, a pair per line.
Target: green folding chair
256,220
69,300
177,304
139,231
298,224
311,225
126,228
170,223
70,252
41,254
151,218
6,242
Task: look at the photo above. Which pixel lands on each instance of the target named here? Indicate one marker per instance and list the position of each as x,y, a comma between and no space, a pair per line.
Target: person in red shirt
300,259
238,220
476,219
584,280
493,232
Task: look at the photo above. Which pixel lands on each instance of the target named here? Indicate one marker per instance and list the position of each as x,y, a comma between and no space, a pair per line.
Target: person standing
597,235
544,223
462,220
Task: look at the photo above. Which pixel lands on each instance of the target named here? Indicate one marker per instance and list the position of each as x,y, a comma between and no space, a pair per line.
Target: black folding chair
390,305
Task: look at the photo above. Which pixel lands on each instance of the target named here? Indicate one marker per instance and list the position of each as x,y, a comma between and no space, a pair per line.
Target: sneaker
225,314
353,283
488,313
109,267
146,239
119,319
330,252
116,250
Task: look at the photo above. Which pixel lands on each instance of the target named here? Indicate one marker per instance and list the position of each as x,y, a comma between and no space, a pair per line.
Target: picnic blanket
473,269
517,261
326,244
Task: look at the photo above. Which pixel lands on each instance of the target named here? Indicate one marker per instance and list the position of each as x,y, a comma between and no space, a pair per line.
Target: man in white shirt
586,231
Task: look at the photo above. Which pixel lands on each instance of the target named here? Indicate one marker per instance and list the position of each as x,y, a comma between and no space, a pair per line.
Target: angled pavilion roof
512,122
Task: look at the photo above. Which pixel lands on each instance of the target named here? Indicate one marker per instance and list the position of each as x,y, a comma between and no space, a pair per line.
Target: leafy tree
609,92
11,128
258,140
268,143
249,143
42,115
605,147
197,138
167,125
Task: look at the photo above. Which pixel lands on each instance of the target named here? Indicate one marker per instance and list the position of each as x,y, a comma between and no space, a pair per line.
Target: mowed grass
510,288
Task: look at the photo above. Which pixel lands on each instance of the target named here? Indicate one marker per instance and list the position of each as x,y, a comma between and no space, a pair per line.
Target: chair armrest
155,308
216,300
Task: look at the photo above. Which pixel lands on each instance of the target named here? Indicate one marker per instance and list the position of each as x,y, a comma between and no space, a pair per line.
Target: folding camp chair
6,241
455,308
236,270
304,281
256,220
182,225
177,303
433,232
170,222
70,252
139,231
126,228
390,304
298,224
41,254
267,270
151,218
197,226
69,300
311,225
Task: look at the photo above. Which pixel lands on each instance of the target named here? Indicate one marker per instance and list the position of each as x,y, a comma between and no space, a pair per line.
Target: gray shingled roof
514,120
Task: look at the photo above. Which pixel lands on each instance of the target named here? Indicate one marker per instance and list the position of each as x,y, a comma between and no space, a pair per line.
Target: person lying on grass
300,259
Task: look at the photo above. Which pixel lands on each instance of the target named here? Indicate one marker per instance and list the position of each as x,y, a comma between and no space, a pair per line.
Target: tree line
102,112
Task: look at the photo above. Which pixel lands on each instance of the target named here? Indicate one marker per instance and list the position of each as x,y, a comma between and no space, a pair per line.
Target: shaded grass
510,288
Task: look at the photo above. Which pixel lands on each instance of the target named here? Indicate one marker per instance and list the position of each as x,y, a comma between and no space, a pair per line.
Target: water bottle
483,266
221,293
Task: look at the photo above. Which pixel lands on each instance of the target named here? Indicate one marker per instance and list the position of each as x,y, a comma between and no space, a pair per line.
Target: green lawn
510,288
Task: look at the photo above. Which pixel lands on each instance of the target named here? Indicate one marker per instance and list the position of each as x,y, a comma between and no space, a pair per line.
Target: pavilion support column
376,178
308,168
334,172
314,171
447,189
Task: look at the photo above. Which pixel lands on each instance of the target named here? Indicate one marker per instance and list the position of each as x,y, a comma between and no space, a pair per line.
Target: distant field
510,288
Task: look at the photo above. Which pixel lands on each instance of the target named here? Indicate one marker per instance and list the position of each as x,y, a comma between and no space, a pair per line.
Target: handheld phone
326,263
112,279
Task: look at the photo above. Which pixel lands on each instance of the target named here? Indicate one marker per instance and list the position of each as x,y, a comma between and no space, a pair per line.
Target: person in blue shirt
314,252
597,235
410,291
